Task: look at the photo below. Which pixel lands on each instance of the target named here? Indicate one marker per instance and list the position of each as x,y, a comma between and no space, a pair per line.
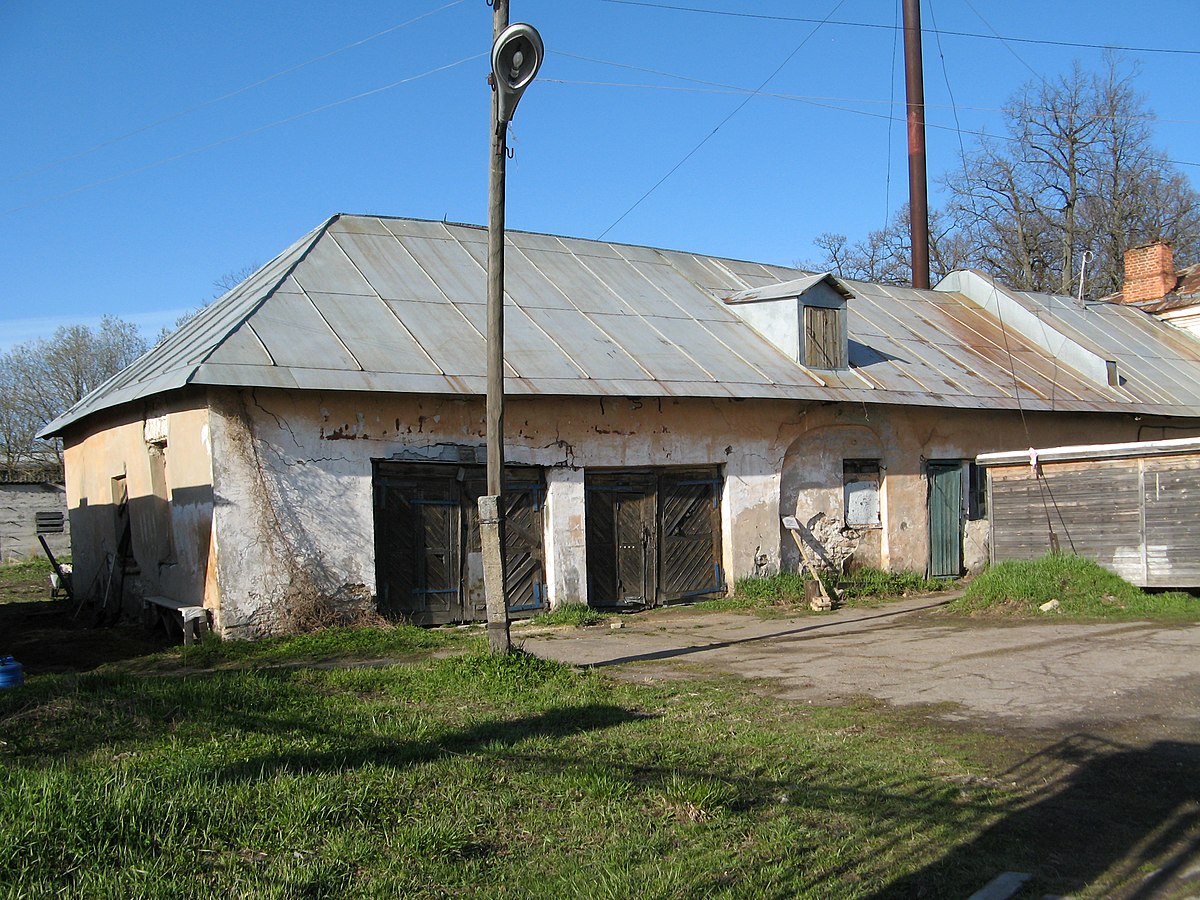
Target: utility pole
918,192
516,56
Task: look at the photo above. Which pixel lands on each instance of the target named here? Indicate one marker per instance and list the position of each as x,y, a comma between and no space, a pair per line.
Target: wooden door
689,535
621,539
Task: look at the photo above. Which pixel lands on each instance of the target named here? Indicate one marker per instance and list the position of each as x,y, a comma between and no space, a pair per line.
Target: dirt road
1133,679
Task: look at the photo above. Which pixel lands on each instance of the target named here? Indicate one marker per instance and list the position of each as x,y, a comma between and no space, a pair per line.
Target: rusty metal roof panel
373,334
528,351
447,336
375,303
448,264
389,270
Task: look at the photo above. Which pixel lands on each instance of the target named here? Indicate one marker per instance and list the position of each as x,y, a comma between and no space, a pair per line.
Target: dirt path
1133,679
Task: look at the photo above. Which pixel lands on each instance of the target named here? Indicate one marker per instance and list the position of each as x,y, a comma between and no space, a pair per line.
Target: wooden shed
1131,507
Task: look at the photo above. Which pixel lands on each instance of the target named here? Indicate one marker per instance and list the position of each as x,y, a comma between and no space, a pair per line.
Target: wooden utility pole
918,192
491,522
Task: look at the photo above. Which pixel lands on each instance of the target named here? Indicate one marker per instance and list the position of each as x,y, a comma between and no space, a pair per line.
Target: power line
228,96
712,87
708,136
971,34
240,136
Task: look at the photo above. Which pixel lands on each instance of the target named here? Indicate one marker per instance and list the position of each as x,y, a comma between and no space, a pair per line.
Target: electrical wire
714,88
215,100
237,137
1083,45
887,164
707,137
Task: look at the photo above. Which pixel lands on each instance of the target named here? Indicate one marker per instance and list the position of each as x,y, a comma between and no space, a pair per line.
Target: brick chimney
1149,272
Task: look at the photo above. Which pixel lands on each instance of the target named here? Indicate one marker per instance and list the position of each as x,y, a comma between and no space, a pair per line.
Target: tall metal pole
490,508
918,193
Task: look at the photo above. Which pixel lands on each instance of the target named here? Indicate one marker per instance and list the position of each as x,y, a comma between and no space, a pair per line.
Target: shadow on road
1120,821
787,632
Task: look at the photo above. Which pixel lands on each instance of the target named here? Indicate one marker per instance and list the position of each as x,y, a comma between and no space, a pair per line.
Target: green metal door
945,518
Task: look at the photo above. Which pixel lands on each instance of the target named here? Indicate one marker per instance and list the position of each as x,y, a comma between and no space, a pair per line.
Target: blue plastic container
12,674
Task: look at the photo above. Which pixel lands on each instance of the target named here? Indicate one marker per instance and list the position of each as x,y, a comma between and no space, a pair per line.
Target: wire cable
969,34
887,163
708,136
237,137
215,100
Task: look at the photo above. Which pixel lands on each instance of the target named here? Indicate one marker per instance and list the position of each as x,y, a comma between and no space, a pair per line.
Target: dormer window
824,337
805,318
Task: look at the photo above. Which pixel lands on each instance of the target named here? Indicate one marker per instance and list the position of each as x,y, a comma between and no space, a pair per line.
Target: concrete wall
19,505
170,509
292,478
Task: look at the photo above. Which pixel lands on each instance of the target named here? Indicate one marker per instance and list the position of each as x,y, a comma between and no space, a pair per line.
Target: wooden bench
177,617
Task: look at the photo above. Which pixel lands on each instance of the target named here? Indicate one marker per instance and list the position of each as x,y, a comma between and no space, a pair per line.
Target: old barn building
316,435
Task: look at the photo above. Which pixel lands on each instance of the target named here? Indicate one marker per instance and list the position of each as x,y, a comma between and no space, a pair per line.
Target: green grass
783,593
1083,588
577,614
24,579
470,775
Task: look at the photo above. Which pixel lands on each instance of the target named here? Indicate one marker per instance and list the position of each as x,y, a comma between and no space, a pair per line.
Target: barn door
524,572
417,551
621,540
689,535
524,558
945,519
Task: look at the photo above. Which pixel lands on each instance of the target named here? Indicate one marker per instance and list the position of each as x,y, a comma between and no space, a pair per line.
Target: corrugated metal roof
368,303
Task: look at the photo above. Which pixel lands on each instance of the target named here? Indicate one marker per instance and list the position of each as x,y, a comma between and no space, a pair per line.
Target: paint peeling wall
293,478
293,482
170,514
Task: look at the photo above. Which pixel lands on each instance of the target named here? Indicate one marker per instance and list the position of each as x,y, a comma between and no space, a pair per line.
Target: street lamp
517,53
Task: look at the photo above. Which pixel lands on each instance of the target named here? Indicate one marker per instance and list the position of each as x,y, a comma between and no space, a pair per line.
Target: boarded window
824,346
860,481
49,522
160,509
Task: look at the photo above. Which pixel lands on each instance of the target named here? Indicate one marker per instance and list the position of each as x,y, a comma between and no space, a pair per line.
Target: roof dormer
805,318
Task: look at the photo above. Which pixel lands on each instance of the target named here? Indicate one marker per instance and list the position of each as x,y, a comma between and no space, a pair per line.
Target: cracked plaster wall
293,479
292,476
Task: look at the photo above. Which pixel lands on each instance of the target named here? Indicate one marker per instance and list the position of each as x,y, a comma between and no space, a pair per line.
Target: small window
977,507
824,339
860,480
49,522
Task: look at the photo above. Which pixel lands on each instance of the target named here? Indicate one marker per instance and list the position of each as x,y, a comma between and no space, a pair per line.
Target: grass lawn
783,594
463,775
403,762
1084,590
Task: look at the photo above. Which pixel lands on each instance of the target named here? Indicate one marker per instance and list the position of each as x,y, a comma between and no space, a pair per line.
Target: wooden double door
428,559
653,536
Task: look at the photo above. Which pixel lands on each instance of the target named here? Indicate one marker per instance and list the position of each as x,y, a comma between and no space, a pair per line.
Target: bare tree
44,378
1075,170
221,287
885,255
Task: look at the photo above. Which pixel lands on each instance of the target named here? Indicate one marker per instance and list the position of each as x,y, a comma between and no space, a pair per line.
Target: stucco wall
293,482
293,477
170,534
19,505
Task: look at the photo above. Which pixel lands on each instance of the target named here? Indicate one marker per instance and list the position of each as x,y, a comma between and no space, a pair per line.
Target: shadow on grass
1119,821
46,636
557,723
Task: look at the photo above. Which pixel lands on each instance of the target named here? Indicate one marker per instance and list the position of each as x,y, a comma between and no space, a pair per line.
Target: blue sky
254,138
